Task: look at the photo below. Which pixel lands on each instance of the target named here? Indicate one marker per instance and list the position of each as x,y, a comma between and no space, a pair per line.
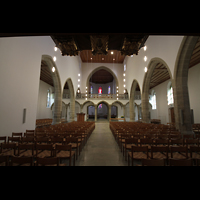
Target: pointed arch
132,98
57,87
146,84
105,68
181,95
72,98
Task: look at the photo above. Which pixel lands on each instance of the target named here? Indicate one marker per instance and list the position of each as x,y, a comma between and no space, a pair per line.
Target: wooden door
172,115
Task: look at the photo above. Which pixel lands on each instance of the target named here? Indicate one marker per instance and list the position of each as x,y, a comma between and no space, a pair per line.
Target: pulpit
80,117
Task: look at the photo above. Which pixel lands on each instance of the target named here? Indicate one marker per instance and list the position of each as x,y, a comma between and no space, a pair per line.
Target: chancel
100,99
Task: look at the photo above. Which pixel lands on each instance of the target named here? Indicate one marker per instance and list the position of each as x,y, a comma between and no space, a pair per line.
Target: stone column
95,118
145,107
132,110
66,107
124,107
57,111
109,112
72,109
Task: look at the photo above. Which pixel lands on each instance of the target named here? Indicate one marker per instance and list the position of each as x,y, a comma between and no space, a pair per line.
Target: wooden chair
4,160
25,161
159,152
16,134
148,142
29,134
42,140
47,150
191,142
15,140
177,142
27,140
54,161
195,153
28,150
180,162
153,162
65,152
162,142
129,142
179,152
3,138
138,153
73,141
8,149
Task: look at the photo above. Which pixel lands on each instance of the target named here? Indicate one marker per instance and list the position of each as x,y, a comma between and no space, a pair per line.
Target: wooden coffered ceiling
161,73
116,57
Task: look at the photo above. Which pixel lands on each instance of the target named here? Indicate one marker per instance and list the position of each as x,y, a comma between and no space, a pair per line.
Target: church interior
131,98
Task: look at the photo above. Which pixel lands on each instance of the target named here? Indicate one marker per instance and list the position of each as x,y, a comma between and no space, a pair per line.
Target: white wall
164,47
194,91
42,111
20,63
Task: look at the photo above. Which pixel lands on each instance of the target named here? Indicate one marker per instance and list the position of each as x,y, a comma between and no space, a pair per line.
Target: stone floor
101,148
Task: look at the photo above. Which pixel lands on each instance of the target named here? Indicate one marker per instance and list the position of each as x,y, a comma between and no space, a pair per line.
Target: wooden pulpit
80,117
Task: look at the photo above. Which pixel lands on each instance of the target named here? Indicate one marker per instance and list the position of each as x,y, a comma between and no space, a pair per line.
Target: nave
101,148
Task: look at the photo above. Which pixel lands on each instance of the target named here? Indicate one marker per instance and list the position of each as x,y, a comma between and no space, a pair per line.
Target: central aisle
101,148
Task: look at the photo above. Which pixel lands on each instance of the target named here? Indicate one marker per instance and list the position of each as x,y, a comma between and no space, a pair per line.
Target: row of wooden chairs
166,153
172,162
40,150
29,161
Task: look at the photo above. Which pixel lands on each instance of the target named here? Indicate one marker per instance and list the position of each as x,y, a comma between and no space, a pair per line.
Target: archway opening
68,92
49,91
188,57
135,98
158,74
102,82
102,111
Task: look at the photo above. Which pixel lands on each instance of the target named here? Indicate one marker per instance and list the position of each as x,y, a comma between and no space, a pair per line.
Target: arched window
91,90
153,100
100,90
170,97
48,99
108,89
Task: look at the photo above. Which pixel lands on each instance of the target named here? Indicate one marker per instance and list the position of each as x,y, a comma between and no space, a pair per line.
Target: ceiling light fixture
55,48
145,58
112,52
54,58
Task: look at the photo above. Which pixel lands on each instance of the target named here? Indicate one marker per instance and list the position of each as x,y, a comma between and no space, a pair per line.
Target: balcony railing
102,96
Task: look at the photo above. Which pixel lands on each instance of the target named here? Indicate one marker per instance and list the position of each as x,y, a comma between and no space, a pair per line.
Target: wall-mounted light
53,69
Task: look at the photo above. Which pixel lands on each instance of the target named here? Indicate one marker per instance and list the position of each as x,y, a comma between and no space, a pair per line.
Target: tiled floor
101,148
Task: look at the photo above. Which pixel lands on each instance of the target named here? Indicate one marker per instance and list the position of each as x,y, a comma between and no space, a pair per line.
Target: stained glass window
109,90
100,90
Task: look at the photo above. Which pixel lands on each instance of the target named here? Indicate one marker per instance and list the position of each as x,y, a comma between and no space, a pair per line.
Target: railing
102,96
